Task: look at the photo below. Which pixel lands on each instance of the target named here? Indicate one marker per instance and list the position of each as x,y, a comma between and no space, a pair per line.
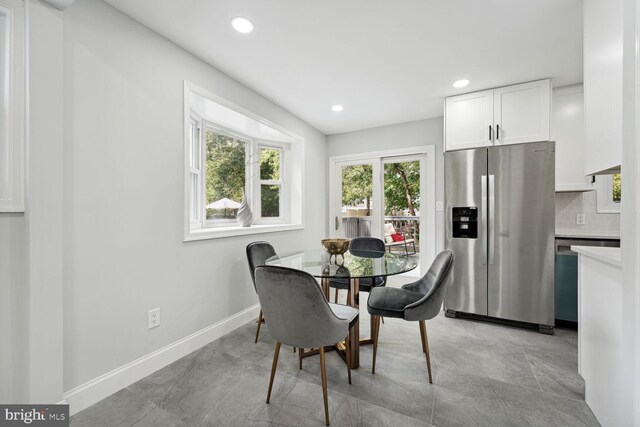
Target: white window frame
292,175
282,182
195,168
210,126
604,195
12,106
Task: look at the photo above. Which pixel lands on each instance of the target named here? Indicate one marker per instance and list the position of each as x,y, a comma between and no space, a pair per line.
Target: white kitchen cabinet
603,85
469,120
521,112
508,115
567,130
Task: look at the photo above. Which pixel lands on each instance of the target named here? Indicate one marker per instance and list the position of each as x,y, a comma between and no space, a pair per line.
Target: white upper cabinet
567,130
603,85
469,120
509,115
521,112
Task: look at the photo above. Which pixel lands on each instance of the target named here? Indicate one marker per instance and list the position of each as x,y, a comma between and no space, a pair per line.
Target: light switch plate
439,206
581,219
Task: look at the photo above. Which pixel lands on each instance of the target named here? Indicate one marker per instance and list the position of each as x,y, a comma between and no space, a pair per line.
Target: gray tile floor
484,375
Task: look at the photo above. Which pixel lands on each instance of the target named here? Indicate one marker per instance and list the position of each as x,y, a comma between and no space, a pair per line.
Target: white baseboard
93,391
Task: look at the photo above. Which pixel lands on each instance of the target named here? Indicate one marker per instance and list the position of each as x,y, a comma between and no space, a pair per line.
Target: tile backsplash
570,204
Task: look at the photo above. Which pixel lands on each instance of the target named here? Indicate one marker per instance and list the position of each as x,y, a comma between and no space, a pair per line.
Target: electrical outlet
581,219
439,206
154,318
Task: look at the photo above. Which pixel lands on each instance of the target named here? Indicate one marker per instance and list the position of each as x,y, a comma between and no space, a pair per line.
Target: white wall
13,308
31,243
630,211
401,135
44,204
122,192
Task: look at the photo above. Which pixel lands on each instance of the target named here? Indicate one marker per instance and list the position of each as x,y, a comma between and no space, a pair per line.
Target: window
609,193
12,99
271,160
231,158
226,174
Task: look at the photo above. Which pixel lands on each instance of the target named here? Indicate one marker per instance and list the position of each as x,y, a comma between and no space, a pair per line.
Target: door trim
427,212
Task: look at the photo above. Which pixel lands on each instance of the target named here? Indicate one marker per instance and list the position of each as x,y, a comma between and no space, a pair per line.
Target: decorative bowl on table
335,247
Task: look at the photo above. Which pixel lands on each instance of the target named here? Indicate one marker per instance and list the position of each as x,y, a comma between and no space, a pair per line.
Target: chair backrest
433,286
296,310
257,254
367,244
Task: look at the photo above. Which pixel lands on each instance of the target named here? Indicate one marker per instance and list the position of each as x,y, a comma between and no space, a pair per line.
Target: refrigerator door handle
492,206
483,213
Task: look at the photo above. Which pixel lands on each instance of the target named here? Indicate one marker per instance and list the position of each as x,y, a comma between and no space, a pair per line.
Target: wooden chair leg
335,298
382,318
376,330
425,347
300,354
259,323
273,369
348,354
323,372
348,296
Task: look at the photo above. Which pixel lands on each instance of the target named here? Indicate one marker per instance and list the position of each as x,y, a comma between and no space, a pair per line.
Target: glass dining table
352,266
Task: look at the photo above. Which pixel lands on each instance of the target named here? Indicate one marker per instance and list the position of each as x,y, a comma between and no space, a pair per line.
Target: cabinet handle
490,133
497,132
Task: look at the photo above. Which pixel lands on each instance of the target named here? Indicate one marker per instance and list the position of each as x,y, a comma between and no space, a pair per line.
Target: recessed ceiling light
461,83
242,25
337,108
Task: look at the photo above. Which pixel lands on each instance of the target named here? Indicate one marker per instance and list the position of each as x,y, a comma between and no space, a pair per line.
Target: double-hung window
234,162
271,183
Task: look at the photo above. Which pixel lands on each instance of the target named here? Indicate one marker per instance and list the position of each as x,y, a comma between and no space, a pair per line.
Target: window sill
219,233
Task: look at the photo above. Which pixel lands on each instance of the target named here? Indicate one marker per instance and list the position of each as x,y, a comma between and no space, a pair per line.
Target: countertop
611,256
574,235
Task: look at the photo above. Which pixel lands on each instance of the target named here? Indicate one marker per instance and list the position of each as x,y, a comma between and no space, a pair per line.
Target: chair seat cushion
345,312
390,302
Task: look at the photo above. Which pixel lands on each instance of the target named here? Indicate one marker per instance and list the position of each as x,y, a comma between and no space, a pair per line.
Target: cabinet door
603,93
521,112
467,120
567,130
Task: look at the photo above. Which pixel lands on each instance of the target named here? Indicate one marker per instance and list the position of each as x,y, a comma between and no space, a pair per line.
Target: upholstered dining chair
418,301
300,316
363,244
257,254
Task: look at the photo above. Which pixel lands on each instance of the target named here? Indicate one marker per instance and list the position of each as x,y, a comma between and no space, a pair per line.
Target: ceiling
384,61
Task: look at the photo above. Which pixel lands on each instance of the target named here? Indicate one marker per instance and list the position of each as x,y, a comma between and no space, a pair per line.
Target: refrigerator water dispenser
465,222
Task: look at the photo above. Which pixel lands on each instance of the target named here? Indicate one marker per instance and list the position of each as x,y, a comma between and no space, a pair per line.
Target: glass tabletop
356,264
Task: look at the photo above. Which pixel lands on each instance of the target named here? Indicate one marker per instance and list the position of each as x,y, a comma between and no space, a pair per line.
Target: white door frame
427,193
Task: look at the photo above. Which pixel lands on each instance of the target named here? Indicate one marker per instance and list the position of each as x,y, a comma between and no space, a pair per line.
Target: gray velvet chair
257,254
417,301
361,244
299,315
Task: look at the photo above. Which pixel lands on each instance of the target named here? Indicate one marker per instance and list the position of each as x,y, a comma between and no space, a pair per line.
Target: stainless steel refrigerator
500,224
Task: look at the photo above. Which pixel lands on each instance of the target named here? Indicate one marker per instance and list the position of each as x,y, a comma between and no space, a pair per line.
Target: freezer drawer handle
490,133
492,215
497,132
483,214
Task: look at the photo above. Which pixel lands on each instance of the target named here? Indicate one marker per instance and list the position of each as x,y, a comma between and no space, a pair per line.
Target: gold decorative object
335,247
